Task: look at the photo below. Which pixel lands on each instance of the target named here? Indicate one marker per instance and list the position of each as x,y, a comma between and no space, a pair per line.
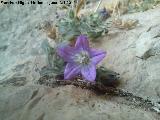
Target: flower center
82,58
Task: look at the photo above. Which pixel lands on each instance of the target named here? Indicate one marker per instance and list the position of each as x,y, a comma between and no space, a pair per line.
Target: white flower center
82,58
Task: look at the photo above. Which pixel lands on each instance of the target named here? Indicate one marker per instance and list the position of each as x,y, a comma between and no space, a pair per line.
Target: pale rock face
148,43
20,49
135,54
69,102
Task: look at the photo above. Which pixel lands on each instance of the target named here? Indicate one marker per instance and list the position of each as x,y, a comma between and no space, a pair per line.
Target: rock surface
69,103
20,49
135,54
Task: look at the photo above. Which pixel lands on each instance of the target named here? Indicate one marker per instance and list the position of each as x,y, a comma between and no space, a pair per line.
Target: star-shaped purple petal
81,59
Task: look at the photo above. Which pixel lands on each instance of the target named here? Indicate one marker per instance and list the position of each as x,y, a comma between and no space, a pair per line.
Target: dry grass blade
79,7
125,24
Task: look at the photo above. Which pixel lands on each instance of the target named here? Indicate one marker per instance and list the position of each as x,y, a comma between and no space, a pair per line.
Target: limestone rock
69,102
135,54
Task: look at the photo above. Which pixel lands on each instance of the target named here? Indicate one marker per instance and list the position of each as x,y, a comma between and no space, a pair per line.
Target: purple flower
104,14
81,59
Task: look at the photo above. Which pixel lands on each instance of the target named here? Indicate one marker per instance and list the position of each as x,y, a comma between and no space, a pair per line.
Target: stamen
82,58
